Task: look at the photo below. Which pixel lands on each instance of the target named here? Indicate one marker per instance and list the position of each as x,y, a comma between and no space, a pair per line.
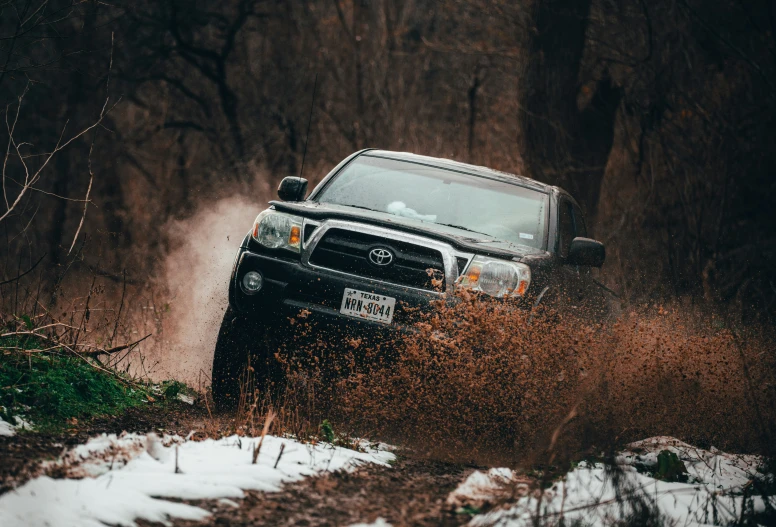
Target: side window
566,228
579,222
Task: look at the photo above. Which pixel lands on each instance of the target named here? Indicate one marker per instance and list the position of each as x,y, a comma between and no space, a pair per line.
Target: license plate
370,306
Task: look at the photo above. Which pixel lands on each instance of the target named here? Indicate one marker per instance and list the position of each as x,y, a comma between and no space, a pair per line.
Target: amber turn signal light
295,236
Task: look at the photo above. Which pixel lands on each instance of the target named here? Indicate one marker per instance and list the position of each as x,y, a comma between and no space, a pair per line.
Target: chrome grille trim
449,254
305,223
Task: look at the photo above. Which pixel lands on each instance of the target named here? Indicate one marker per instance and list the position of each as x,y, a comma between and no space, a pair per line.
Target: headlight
496,278
252,282
276,230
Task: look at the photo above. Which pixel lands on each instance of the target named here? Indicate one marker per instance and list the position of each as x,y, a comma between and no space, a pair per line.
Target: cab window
579,222
566,228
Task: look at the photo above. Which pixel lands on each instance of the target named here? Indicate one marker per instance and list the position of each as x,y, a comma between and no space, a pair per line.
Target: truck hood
461,239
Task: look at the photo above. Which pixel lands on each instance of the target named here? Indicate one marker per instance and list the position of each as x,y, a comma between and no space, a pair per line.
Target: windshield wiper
465,229
359,207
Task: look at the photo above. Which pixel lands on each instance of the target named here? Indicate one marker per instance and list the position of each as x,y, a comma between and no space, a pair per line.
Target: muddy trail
411,492
556,400
401,488
22,454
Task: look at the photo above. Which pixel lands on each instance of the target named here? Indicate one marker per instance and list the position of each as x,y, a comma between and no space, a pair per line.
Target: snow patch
379,522
22,424
480,488
8,430
118,493
588,493
709,467
103,453
88,502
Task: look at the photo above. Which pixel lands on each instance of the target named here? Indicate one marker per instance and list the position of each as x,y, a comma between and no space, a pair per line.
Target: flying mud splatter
195,276
481,381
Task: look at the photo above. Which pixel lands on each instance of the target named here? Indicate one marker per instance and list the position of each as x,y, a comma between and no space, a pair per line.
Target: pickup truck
386,233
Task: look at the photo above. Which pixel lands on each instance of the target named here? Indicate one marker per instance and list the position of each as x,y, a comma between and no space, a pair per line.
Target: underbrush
73,358
51,384
53,388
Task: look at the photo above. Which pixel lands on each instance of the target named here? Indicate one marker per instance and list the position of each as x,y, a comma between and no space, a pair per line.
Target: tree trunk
562,143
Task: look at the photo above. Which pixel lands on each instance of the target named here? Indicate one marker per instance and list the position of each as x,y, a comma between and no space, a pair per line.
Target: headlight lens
276,230
497,278
252,282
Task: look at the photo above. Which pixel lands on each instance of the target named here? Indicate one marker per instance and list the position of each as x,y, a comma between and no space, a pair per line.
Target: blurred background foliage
658,115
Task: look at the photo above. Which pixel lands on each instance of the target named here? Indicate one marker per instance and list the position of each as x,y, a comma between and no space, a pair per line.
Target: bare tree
565,140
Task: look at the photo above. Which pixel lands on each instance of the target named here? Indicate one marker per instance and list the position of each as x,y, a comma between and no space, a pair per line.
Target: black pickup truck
384,234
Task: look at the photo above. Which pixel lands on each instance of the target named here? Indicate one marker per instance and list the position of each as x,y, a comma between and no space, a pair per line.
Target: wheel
240,339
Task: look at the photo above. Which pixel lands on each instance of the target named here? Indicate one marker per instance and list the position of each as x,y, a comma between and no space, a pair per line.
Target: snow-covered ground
379,522
712,494
118,480
8,429
134,476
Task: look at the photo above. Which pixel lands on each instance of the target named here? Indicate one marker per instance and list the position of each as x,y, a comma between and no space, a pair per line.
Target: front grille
308,231
461,261
413,265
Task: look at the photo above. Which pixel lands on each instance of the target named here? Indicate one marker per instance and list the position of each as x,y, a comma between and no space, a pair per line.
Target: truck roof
461,167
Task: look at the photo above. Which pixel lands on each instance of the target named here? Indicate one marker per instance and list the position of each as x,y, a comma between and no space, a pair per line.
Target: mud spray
479,379
195,277
484,382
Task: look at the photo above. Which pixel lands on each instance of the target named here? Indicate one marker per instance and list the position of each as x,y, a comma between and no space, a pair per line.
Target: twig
86,199
177,469
282,448
25,272
556,433
121,306
96,350
207,405
119,348
83,325
267,423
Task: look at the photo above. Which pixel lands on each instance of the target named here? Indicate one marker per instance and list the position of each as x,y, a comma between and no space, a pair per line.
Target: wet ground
20,455
412,492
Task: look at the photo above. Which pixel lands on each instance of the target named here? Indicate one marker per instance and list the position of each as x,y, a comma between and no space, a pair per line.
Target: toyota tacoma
386,233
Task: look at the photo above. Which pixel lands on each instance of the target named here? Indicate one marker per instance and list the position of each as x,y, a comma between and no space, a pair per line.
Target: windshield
428,194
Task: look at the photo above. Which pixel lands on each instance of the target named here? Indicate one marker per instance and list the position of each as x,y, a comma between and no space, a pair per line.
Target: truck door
571,280
590,296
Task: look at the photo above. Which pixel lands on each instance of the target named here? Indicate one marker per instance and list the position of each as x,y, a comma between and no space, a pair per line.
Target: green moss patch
50,389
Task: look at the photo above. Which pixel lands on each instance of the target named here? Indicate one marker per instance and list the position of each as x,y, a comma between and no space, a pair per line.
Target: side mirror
292,189
587,252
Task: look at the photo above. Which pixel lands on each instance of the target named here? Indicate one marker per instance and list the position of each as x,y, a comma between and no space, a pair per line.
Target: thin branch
86,200
31,180
35,189
25,272
118,348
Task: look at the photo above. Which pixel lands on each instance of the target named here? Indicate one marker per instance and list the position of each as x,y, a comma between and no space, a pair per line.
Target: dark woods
658,116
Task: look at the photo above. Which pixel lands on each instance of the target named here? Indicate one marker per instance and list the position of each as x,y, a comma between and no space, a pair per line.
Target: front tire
241,339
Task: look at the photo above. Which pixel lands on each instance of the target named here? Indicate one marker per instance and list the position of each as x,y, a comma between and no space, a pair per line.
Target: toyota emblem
380,256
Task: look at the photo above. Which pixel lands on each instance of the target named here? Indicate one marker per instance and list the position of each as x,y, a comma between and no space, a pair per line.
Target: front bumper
292,289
